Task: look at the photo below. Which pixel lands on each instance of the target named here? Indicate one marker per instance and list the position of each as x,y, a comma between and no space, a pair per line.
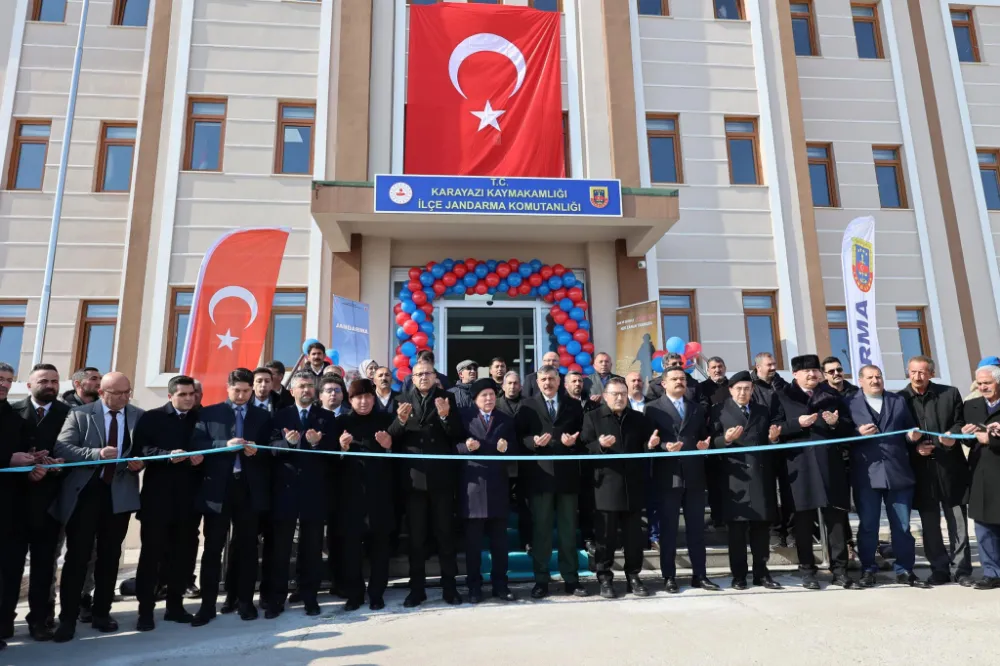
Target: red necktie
108,473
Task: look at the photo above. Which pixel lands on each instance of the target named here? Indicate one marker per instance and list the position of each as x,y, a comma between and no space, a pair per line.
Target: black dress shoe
845,582
965,580
86,612
504,594
178,615
3,646
767,583
670,585
414,599
539,591
607,590
809,582
64,633
263,603
312,609
273,611
452,597
353,604
475,596
105,625
202,617
376,604
705,584
229,606
145,623
939,578
577,590
192,592
637,588
41,632
248,612
868,579
912,580
295,597
739,583
987,583
7,630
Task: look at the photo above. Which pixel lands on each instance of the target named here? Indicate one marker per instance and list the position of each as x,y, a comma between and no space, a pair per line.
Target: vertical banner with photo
858,256
350,332
637,329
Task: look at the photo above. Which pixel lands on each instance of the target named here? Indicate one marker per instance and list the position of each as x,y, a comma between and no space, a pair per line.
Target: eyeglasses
615,394
423,374
333,391
835,371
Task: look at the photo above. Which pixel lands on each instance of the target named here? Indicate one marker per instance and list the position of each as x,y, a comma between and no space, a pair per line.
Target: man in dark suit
279,394
235,489
168,516
619,485
263,398
440,378
942,474
34,530
300,493
385,397
95,502
602,373
881,473
679,483
714,390
751,503
576,387
333,398
549,424
530,387
432,425
509,401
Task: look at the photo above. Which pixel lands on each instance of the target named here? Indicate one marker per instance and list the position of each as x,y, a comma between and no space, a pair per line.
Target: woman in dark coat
366,493
483,492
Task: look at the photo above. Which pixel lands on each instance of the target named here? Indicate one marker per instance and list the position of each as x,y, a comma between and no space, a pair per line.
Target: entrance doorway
482,333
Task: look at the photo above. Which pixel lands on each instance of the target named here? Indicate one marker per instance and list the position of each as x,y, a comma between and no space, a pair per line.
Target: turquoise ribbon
593,457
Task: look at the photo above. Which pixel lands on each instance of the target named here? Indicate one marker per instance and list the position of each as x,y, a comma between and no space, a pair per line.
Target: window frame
755,139
810,19
84,326
740,10
995,168
118,15
8,321
567,147
904,201
102,154
36,12
279,139
970,23
190,122
771,312
831,173
920,326
175,312
675,135
876,27
268,351
15,153
691,313
664,8
559,5
840,326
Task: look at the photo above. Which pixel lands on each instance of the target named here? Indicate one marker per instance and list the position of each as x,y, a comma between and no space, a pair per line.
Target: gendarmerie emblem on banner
861,266
599,197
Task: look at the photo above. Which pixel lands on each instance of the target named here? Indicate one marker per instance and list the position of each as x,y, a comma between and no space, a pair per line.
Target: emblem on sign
861,266
400,193
599,197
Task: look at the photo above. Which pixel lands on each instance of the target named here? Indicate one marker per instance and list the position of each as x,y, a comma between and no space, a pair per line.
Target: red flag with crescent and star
232,307
483,94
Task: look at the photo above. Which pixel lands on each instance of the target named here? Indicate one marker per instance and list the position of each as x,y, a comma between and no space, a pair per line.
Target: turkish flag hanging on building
232,307
483,94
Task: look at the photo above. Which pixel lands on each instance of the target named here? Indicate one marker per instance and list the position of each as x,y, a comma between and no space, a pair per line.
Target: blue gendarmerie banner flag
485,195
350,332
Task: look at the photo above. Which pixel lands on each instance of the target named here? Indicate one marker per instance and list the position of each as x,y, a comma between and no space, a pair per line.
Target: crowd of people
259,491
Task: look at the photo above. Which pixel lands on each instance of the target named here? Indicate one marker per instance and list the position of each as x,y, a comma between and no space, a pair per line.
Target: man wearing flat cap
815,411
467,371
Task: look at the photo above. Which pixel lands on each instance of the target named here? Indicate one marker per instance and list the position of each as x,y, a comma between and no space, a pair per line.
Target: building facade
747,134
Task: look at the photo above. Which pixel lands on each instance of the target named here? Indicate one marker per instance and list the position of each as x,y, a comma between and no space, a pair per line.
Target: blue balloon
584,324
675,345
427,327
577,314
544,290
430,341
569,280
481,271
395,374
306,343
396,386
437,270
419,316
401,334
514,280
405,294
413,360
458,288
534,292
536,265
563,369
583,358
426,279
555,282
430,295
503,286
448,264
525,270
588,370
573,348
492,265
470,279
335,357
564,338
409,307
565,305
689,369
559,329
491,290
657,364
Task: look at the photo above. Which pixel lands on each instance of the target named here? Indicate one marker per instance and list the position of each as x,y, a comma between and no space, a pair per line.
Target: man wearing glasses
332,391
833,371
331,394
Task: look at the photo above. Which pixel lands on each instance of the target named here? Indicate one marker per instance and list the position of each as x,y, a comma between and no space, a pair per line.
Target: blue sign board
479,195
350,332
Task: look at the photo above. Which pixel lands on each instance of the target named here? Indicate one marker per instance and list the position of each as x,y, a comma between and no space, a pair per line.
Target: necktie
108,473
486,419
552,409
680,408
746,411
238,432
40,413
304,418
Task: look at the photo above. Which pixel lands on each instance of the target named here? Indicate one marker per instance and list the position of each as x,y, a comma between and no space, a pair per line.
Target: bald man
96,501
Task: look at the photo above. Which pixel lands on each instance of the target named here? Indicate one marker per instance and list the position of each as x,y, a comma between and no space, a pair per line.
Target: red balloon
692,349
429,319
401,361
570,325
459,270
545,272
419,297
503,269
581,336
575,294
429,266
548,298
588,347
558,294
659,353
428,308
414,273
449,279
512,292
471,264
492,280
535,280
566,359
524,288
514,264
582,305
404,373
439,287
411,327
402,318
561,350
560,317
414,285
470,290
419,338
397,308
554,310
481,288
575,367
559,269
399,350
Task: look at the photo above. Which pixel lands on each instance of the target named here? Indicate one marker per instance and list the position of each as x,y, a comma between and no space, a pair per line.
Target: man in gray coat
96,501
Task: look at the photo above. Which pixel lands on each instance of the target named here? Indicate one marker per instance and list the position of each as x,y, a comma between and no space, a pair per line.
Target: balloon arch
531,279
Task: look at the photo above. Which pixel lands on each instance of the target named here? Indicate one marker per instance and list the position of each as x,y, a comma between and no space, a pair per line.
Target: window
912,333
96,346
546,5
729,9
663,140
678,315
867,32
965,35
889,175
27,158
294,153
990,173
114,159
803,29
741,144
567,153
12,332
206,132
130,12
653,8
821,175
48,11
287,328
840,346
760,315
177,327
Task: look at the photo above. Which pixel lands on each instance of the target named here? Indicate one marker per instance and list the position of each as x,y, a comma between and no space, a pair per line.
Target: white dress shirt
637,405
384,401
875,402
554,400
44,408
121,428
